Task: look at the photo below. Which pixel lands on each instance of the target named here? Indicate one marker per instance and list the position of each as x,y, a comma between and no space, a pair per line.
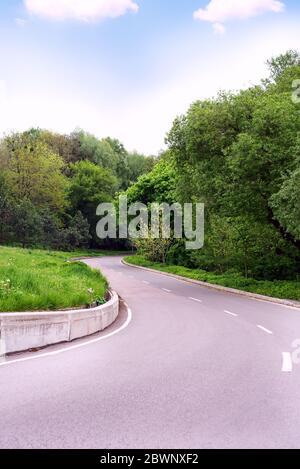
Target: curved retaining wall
25,331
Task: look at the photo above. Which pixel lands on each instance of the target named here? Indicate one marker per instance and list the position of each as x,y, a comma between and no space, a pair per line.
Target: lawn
36,280
283,289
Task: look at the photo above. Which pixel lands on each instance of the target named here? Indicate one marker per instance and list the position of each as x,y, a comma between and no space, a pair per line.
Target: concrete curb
233,291
20,332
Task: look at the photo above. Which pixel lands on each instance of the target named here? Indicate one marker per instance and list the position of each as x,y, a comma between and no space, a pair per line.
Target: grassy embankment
283,289
34,280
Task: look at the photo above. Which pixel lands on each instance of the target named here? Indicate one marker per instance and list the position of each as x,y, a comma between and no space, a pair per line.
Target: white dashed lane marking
195,299
262,328
231,314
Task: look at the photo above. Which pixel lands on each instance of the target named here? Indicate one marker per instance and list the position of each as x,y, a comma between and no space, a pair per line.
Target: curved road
195,368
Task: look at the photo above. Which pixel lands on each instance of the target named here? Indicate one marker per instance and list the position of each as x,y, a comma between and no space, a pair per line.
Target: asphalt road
195,368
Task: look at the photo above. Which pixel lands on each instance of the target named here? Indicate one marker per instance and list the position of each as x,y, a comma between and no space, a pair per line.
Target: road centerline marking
146,283
166,290
287,362
195,299
230,313
264,329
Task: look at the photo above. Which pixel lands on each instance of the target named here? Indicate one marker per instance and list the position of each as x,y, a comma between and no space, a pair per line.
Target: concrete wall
25,331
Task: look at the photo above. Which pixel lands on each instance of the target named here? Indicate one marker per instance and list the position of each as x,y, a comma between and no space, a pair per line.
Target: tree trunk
285,235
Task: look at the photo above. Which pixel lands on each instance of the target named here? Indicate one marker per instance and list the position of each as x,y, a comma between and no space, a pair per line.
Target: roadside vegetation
283,289
35,280
51,185
239,154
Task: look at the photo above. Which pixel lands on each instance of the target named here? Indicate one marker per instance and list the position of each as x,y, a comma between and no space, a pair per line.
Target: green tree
138,165
97,151
68,147
5,211
286,206
33,172
278,65
26,224
157,186
90,185
238,154
77,235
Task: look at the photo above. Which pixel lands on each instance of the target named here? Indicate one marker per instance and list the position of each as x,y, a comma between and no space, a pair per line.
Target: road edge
255,296
21,332
65,348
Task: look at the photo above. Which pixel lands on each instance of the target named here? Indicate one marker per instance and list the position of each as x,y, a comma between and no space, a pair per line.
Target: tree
286,205
5,211
238,154
26,224
157,186
97,151
90,185
154,249
33,172
68,147
121,169
278,65
138,165
38,166
52,228
77,235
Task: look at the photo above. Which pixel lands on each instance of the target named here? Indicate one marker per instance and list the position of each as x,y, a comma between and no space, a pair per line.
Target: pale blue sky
129,76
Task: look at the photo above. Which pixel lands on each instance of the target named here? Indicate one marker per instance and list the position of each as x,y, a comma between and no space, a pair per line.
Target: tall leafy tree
239,154
33,172
90,185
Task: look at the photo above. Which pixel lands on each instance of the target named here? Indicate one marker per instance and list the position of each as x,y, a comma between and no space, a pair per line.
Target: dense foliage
51,184
239,154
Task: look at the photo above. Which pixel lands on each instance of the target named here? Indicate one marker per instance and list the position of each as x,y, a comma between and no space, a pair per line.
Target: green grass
283,289
36,280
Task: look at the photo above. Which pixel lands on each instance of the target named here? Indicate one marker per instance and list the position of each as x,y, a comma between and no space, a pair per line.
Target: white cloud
138,116
81,10
219,12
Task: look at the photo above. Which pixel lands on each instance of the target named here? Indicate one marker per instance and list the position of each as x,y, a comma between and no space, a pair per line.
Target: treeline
51,184
240,155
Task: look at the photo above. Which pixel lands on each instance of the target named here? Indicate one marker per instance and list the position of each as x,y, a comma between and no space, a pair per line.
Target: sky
127,68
